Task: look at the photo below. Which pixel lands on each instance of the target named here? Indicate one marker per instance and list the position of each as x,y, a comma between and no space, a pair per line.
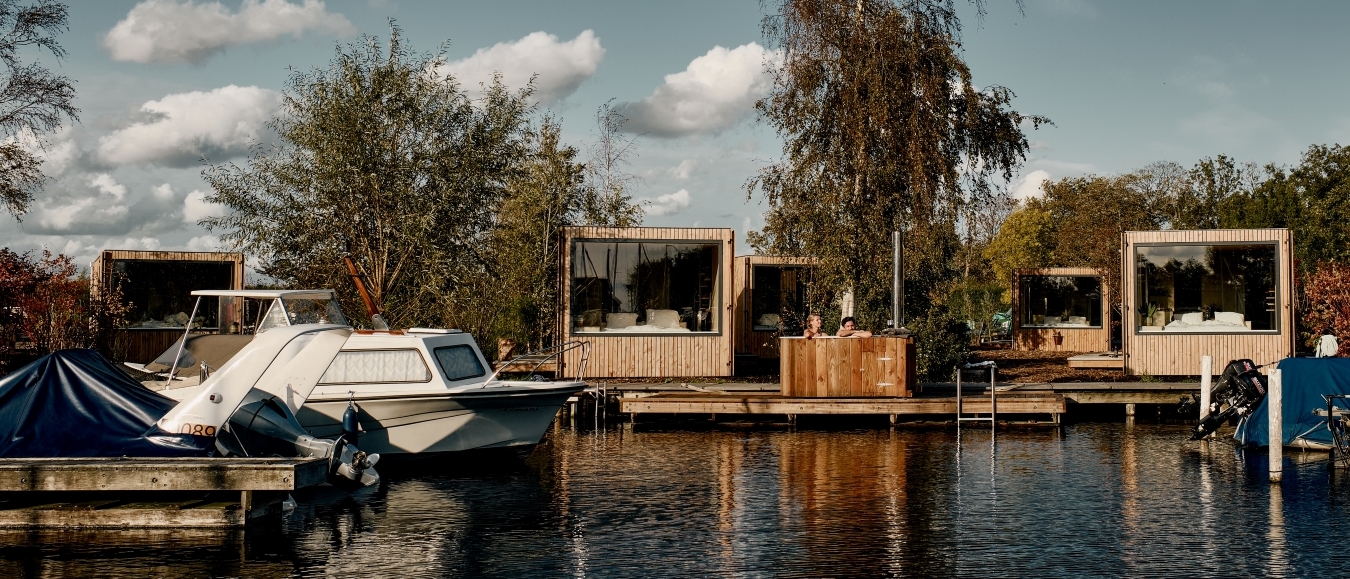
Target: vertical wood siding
1074,339
847,367
1163,354
653,356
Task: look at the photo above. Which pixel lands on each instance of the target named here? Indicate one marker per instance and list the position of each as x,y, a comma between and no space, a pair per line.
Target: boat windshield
313,311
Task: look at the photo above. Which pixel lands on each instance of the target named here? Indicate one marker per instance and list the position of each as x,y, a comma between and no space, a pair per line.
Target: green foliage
1311,199
942,343
883,130
1024,241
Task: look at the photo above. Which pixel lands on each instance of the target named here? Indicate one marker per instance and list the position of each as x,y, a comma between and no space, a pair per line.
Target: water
1092,500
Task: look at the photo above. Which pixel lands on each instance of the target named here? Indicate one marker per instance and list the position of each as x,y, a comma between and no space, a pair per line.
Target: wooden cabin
157,284
1060,309
770,302
1226,293
652,301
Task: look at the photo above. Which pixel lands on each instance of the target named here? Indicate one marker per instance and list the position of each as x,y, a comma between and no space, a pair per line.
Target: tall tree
34,101
382,159
883,130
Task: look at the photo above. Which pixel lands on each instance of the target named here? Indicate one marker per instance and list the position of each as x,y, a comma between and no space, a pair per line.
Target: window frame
1278,265
1024,323
415,350
446,375
803,271
718,288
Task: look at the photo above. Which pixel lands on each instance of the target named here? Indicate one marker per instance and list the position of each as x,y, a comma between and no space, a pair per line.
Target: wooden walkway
163,492
1010,403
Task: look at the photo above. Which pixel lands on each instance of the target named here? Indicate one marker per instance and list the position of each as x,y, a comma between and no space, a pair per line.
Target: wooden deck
123,492
1009,403
1098,361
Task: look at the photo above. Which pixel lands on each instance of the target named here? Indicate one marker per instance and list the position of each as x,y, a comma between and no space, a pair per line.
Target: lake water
1090,500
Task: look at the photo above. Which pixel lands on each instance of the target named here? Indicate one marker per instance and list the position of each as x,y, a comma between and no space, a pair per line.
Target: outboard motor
264,426
1240,388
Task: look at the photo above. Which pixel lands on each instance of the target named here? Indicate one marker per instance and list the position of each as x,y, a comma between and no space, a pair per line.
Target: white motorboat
417,392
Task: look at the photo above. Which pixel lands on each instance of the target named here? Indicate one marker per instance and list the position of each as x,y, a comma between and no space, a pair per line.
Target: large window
646,287
1060,301
159,290
778,298
1205,288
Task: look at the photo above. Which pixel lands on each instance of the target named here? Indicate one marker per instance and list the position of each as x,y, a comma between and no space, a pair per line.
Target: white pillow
1229,318
663,318
768,320
620,320
1078,320
1193,318
1051,320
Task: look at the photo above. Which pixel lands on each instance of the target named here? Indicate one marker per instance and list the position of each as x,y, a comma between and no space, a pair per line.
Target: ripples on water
1094,500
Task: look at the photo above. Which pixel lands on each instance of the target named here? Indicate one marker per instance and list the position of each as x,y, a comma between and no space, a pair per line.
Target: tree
1311,199
45,302
382,159
34,102
611,204
883,130
1025,240
1326,305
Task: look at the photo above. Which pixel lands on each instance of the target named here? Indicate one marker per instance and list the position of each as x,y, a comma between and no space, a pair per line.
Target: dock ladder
993,400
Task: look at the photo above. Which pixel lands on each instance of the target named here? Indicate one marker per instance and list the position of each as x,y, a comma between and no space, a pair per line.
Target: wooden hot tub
847,367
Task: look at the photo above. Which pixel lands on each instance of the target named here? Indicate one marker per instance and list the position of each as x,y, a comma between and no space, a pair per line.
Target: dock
149,492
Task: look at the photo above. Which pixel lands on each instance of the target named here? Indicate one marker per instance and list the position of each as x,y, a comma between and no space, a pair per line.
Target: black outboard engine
265,426
1238,392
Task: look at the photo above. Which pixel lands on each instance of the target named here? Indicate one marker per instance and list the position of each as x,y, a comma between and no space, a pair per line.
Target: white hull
498,416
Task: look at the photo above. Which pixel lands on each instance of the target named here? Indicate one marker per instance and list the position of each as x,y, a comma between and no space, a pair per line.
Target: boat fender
350,426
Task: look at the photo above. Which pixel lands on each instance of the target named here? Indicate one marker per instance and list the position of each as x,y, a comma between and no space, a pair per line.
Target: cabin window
1226,288
1060,301
778,298
646,287
459,362
376,366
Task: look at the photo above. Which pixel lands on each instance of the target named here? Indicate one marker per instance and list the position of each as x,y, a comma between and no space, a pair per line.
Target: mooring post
1275,411
1206,383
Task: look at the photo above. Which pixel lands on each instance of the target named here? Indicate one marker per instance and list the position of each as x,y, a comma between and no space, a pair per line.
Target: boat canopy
1305,381
320,294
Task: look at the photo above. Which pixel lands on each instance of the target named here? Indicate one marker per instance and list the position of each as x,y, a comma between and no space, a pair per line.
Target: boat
418,393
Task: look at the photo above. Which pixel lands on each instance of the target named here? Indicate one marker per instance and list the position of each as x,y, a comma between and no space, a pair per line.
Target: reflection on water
1097,499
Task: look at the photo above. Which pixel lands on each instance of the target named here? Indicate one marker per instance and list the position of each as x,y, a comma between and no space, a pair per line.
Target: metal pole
895,280
958,397
1206,383
993,402
1275,412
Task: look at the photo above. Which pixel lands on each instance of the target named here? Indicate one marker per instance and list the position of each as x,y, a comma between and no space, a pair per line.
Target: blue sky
163,82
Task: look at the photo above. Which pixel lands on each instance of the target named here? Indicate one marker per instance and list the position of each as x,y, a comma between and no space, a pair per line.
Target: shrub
1326,305
942,342
45,305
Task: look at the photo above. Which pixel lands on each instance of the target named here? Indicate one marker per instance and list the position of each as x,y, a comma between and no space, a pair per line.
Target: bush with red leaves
1326,304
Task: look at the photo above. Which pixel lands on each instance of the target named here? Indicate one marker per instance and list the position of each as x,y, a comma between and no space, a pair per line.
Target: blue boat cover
75,403
1305,380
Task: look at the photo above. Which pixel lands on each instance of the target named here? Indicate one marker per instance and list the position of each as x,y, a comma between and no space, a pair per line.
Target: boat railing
541,357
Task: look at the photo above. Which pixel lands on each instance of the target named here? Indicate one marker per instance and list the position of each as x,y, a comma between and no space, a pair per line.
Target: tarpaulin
1304,381
75,403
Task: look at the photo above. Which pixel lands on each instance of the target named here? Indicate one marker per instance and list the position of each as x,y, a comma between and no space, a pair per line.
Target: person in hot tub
849,328
813,323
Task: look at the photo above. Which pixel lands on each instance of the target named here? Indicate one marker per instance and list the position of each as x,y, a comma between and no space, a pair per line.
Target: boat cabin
1226,293
652,301
1060,309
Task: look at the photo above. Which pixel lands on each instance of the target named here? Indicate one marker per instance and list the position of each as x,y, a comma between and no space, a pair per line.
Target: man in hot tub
849,328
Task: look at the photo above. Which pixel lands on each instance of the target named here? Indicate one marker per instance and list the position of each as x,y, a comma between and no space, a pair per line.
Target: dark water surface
1092,500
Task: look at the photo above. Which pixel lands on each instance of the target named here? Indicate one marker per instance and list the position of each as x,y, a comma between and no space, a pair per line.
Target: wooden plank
179,474
668,404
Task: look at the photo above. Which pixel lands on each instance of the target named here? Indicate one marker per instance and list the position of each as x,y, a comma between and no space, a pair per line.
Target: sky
164,84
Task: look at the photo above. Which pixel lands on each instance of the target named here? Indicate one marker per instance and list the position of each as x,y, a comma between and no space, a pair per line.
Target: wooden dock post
1275,412
1206,384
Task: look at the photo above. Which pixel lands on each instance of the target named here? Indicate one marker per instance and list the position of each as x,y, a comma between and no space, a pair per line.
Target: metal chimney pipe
897,281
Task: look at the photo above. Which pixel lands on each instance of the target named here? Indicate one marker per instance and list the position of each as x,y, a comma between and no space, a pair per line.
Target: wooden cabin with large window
652,301
1225,293
158,286
770,302
1060,309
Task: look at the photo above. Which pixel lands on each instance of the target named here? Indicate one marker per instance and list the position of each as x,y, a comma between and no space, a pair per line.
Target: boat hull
511,418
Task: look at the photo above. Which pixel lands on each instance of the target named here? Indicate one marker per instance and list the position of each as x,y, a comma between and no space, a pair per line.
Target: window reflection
778,298
1205,288
1060,301
645,287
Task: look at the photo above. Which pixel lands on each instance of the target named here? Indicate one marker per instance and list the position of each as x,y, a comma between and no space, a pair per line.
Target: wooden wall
143,345
1169,354
830,367
1074,339
746,339
650,356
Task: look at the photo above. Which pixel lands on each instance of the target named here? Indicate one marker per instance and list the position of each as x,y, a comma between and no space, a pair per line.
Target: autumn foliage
45,305
1326,304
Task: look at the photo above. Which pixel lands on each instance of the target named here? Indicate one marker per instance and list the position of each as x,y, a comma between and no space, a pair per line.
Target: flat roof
320,294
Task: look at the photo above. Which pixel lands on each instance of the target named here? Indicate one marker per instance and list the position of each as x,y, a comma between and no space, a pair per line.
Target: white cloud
713,93
131,243
187,126
163,192
101,210
196,207
107,185
1030,185
684,170
206,242
561,66
666,204
188,31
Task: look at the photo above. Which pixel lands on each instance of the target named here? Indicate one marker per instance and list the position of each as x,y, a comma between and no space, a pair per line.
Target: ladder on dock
993,396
